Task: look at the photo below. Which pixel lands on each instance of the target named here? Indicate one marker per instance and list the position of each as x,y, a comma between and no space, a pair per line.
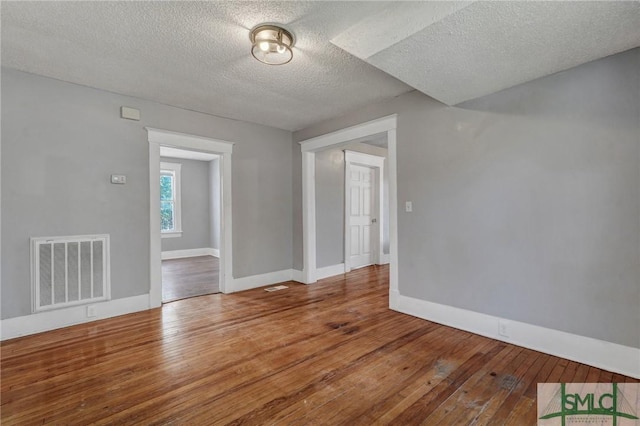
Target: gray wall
526,203
196,194
330,169
60,143
214,204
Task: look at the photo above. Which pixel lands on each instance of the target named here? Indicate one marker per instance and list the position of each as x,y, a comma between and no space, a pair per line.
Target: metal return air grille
67,271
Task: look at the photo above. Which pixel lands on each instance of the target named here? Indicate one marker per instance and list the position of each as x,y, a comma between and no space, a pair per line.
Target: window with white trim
170,217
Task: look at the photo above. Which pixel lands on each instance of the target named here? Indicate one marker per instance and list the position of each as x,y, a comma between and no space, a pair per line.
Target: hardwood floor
329,353
189,277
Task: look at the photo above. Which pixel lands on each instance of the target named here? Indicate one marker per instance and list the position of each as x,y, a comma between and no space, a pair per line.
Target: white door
361,210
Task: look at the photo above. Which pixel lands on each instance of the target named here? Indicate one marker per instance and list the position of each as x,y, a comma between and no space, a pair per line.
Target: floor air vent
276,288
69,271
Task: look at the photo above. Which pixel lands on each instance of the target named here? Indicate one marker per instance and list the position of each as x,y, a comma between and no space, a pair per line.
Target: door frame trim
377,164
157,138
309,147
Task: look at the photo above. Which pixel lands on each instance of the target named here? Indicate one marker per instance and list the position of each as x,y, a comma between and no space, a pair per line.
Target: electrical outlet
91,311
408,207
503,328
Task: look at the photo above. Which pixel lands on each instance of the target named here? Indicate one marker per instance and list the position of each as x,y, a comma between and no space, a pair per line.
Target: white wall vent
67,271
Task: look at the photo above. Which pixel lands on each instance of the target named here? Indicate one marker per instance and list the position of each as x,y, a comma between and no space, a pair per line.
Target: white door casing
224,149
309,147
362,220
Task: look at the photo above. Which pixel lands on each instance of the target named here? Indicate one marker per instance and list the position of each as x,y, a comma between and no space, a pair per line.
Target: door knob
374,220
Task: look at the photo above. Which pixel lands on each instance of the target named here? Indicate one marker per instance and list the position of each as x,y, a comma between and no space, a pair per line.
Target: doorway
309,148
189,223
162,138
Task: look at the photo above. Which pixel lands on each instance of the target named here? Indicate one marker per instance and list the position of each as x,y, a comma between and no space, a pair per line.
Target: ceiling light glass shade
271,44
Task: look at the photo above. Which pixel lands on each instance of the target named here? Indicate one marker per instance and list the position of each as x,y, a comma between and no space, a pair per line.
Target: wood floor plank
493,395
475,392
331,376
190,277
542,376
592,375
330,353
432,367
515,385
605,377
423,407
421,384
581,374
523,413
391,368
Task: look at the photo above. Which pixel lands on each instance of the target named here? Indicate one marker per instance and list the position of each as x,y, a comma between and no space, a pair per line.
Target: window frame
174,169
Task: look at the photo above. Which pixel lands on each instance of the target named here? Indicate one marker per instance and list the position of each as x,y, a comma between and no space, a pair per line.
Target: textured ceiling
465,50
196,55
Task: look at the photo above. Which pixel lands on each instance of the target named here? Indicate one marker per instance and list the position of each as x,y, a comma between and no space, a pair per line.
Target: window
170,223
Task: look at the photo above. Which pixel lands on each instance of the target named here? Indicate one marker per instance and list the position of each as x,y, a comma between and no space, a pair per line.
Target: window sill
171,234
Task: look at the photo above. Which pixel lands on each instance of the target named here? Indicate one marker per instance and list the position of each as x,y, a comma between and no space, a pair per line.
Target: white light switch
408,207
119,179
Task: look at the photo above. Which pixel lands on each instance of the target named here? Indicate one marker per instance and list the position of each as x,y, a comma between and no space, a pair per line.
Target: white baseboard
50,320
597,353
394,295
261,280
179,254
255,281
384,259
297,276
59,318
330,271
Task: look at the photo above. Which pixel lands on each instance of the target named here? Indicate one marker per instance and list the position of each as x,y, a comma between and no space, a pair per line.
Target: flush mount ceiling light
271,44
